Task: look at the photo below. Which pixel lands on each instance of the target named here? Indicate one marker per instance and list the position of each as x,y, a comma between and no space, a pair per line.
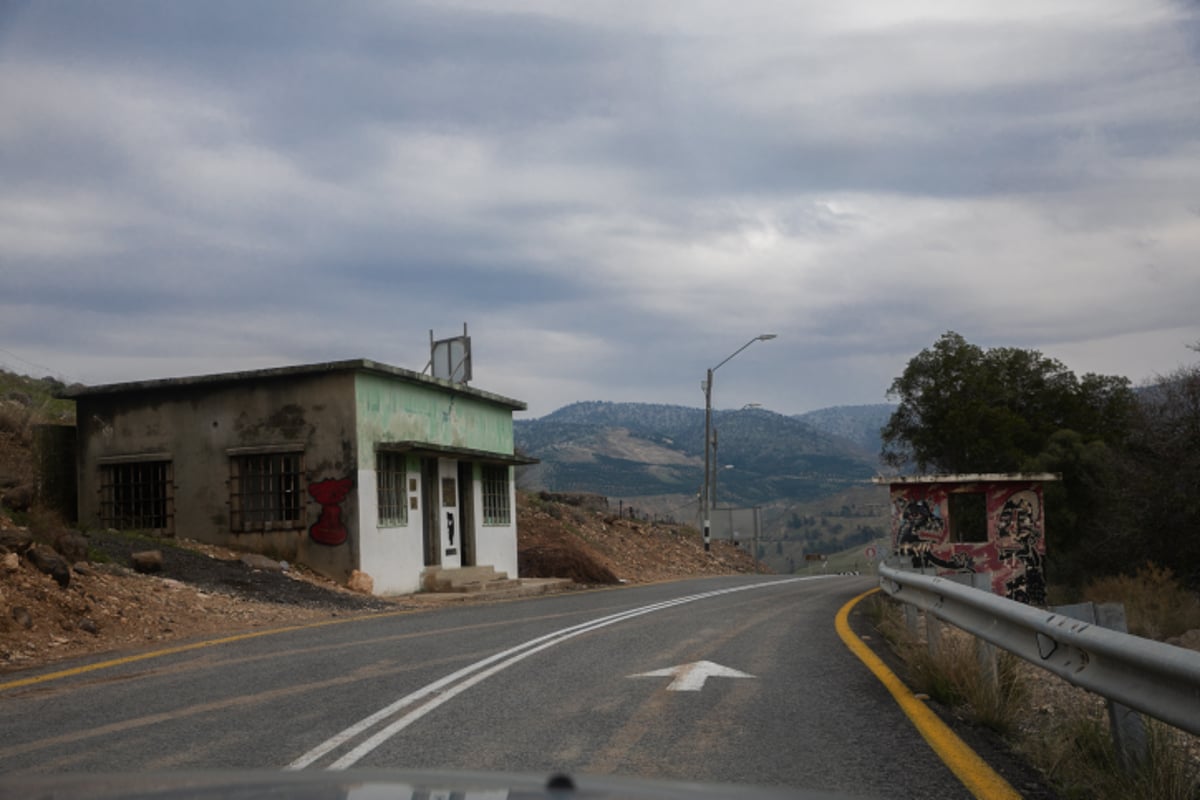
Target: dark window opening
137,496
968,517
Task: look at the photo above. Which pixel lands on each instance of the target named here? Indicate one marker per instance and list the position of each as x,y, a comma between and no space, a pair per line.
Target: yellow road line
979,778
116,662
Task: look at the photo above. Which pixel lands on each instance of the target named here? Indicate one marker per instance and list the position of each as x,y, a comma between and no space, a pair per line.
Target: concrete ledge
520,587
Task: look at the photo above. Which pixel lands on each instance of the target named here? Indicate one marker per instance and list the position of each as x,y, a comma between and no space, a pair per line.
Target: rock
112,568
51,563
259,561
11,562
147,561
88,626
15,540
71,545
1190,639
83,568
22,617
361,582
19,498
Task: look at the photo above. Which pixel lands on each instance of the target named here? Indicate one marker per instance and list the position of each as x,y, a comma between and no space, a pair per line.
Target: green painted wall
396,411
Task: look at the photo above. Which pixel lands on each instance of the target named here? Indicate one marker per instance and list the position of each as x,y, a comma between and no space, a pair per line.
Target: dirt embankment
577,536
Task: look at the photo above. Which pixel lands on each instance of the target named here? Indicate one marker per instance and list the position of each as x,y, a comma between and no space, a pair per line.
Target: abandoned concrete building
342,466
990,525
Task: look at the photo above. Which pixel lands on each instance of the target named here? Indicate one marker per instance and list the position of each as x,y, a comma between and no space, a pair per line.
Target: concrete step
488,586
437,579
498,590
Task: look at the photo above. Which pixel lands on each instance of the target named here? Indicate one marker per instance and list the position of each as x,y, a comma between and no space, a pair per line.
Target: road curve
724,680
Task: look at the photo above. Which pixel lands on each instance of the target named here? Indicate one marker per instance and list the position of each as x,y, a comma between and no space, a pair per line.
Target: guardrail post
912,618
989,669
984,652
1128,729
933,633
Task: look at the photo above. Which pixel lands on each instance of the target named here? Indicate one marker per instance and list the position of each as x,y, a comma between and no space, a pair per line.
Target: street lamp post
708,461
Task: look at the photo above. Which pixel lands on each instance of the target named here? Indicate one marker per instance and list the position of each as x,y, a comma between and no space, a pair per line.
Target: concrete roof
352,365
970,477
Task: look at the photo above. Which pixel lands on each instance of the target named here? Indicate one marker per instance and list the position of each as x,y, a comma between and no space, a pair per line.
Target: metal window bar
266,489
496,508
137,496
390,481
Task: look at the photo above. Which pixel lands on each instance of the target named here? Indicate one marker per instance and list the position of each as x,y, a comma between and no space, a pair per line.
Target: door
431,507
466,512
451,527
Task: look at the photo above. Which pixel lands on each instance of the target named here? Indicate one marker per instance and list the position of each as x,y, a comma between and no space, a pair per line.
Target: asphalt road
543,685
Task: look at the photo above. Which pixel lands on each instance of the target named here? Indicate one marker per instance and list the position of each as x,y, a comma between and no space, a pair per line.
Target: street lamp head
765,336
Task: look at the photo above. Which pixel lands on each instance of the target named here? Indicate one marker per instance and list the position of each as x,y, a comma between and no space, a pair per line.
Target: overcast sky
614,196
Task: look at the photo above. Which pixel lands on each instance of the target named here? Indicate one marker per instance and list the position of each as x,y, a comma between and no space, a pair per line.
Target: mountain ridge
625,449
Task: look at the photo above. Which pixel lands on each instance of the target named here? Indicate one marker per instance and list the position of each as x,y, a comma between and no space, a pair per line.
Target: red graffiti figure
328,529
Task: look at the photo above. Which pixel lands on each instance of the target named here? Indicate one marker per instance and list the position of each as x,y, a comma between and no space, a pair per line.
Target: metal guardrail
1155,678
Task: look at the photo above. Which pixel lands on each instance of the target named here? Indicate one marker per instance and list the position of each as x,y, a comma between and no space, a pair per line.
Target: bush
1076,751
1157,606
17,420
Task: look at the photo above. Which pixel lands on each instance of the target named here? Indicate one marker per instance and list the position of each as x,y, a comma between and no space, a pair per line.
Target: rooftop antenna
450,359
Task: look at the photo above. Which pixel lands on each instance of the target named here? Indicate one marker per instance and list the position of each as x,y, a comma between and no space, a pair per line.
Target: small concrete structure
988,524
342,466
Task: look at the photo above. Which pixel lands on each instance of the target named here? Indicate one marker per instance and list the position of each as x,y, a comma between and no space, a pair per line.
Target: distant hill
859,424
647,450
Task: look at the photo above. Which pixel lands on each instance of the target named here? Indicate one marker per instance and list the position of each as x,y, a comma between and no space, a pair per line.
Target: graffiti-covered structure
985,524
351,465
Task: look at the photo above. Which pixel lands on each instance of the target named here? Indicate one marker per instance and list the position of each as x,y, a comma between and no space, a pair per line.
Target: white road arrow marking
691,677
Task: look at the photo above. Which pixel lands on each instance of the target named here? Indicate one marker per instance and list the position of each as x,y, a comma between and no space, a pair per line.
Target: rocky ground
94,601
578,536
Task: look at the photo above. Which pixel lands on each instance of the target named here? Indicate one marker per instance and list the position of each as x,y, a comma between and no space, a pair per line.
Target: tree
966,409
1159,476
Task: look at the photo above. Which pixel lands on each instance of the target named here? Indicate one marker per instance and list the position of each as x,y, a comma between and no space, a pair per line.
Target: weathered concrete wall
391,554
1014,553
392,411
198,426
496,544
54,454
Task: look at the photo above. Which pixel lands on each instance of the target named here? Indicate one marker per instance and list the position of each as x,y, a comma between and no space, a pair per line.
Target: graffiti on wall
1021,547
1013,556
329,528
921,529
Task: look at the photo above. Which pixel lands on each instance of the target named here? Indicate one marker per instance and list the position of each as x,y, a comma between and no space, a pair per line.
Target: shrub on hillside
1157,606
16,419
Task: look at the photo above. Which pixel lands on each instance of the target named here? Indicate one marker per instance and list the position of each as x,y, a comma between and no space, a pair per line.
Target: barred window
496,507
137,495
390,480
266,491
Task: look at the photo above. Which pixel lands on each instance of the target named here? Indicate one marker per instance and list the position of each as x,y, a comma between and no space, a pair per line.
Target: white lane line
473,674
387,711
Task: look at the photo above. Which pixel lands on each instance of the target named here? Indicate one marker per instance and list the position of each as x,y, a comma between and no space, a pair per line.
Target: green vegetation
34,395
967,409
